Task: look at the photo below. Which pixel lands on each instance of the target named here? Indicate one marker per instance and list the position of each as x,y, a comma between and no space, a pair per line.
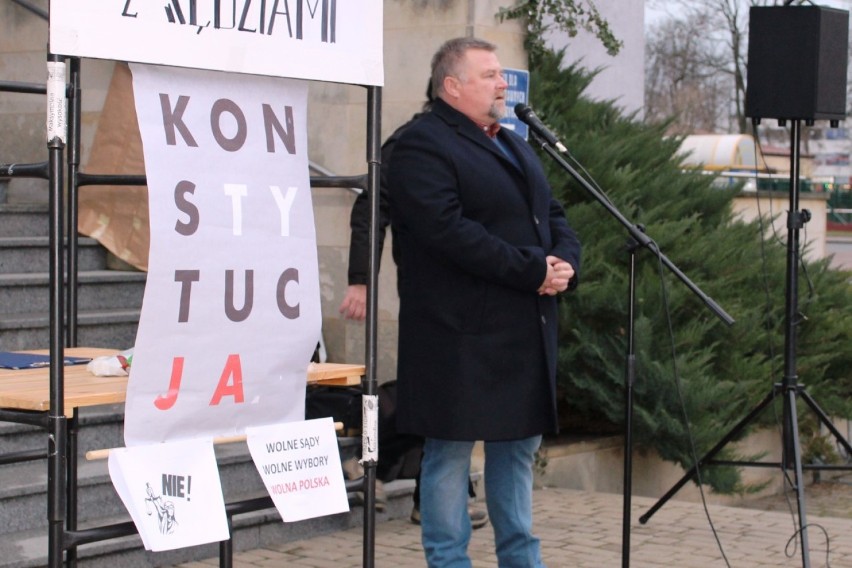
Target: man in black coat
484,249
354,303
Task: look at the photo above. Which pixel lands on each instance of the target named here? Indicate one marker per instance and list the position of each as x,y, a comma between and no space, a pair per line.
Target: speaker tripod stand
789,388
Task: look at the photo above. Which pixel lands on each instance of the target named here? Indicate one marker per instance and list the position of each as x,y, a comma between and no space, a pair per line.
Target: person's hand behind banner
354,304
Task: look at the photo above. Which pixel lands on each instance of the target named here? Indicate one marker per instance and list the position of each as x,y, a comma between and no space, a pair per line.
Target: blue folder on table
12,360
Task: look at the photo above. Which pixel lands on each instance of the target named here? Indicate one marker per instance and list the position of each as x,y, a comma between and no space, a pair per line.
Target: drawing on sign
166,520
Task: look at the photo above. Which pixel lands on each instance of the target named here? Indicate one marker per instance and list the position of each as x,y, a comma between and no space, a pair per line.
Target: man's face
480,88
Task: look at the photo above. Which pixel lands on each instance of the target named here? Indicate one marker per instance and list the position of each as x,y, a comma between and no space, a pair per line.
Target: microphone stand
637,239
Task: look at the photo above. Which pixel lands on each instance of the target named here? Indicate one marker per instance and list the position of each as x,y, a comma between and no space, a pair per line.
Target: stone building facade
413,29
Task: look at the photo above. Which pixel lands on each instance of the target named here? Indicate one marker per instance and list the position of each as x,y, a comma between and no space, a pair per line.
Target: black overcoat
477,343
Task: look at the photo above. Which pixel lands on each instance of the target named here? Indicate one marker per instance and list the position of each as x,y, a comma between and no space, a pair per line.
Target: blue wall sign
518,92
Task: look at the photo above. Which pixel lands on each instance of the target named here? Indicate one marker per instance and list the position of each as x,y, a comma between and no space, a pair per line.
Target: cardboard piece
117,216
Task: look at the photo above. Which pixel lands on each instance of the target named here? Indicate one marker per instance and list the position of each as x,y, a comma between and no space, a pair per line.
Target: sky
659,10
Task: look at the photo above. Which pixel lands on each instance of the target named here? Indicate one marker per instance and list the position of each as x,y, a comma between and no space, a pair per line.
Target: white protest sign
172,492
299,463
326,40
231,313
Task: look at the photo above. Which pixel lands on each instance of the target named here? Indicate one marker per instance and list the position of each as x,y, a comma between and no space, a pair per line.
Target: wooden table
29,389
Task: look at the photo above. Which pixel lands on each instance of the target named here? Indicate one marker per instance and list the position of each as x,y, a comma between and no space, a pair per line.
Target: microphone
528,117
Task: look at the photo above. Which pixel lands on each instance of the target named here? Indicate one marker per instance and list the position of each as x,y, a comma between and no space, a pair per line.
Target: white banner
231,313
299,463
172,492
327,40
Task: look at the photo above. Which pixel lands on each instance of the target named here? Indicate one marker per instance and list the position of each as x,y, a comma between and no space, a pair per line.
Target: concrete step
100,427
98,289
32,254
96,328
109,301
24,220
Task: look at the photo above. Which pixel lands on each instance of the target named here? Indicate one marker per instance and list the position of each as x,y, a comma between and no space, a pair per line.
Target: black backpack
399,454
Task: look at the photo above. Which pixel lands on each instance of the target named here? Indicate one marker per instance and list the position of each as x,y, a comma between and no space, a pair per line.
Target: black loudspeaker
797,59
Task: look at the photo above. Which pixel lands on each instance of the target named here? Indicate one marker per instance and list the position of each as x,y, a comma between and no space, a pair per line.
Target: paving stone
584,529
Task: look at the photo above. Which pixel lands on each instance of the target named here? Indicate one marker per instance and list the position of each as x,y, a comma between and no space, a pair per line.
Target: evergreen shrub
694,363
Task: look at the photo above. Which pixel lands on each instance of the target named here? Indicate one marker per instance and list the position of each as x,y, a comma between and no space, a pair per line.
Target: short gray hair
445,62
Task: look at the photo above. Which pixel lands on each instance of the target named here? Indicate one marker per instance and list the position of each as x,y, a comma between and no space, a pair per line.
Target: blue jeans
444,474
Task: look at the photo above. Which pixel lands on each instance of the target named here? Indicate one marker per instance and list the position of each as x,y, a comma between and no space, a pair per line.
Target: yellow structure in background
735,158
723,152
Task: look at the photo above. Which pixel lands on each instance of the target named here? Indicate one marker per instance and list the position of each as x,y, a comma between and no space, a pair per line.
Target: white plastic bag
113,365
